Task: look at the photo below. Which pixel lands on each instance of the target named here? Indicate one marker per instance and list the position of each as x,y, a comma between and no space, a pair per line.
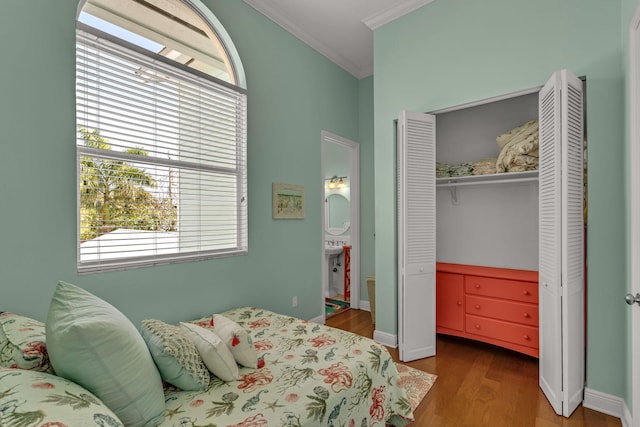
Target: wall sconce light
336,182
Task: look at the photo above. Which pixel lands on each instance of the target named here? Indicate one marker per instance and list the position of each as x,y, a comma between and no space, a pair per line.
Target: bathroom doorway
340,224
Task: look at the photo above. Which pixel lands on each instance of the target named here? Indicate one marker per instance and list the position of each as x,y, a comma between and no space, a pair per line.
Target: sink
332,250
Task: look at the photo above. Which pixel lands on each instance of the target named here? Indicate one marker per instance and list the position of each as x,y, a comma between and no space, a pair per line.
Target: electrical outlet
294,302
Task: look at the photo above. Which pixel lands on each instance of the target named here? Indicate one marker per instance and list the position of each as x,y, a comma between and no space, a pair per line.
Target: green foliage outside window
117,194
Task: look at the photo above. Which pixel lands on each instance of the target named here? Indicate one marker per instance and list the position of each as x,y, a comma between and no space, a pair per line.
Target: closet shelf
498,178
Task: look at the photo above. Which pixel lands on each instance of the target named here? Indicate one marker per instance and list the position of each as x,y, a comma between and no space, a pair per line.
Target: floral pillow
30,398
235,337
22,343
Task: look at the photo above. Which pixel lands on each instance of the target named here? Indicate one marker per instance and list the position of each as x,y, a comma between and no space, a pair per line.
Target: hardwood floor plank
479,385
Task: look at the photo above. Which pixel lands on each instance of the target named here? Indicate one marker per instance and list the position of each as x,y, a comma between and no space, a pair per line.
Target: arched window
161,135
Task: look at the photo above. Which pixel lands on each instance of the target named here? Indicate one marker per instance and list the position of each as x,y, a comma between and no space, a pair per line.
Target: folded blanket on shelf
519,148
521,163
485,166
518,133
444,170
519,152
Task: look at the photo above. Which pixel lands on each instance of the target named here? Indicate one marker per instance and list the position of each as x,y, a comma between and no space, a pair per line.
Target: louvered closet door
549,244
573,243
561,291
416,235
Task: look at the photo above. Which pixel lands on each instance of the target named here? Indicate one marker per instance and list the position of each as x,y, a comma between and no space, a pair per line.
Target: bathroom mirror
337,214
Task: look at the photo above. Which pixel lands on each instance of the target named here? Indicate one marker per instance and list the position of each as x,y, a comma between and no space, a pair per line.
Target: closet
501,243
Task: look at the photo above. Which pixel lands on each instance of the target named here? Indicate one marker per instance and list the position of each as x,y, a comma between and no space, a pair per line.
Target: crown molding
332,55
365,72
383,17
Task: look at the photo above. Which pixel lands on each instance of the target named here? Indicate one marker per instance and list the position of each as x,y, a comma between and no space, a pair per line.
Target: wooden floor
479,385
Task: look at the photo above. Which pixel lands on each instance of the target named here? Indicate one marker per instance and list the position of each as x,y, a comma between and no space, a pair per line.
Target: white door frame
354,230
634,157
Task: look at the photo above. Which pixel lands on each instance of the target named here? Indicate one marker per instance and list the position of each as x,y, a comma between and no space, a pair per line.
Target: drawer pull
527,338
525,293
459,302
477,306
527,315
477,286
477,326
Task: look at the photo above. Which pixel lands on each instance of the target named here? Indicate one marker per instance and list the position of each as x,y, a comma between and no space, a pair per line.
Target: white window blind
162,159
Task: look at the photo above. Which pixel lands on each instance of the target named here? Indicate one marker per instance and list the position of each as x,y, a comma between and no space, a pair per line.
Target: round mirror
337,214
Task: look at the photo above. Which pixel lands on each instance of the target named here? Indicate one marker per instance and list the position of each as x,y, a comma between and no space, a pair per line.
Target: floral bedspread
313,375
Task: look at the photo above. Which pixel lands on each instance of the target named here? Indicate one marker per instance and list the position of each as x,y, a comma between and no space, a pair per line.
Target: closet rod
484,182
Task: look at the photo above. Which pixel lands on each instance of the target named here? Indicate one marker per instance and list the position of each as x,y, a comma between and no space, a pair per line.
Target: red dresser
494,305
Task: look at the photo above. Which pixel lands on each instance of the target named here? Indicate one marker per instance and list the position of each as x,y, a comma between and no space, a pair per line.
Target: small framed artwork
288,201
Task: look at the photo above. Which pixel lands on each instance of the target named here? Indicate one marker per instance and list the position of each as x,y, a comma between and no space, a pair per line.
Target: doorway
340,167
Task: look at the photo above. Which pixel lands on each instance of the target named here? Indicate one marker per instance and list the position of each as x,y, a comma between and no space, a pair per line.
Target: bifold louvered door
416,235
561,253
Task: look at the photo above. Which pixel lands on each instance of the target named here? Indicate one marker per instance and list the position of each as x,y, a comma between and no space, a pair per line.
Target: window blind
162,159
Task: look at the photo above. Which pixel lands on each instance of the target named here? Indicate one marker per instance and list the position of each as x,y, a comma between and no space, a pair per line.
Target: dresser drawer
501,288
510,311
501,330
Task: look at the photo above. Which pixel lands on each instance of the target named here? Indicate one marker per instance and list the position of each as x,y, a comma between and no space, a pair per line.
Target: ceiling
341,30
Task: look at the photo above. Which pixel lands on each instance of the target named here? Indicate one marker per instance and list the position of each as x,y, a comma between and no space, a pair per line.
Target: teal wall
293,94
456,51
367,193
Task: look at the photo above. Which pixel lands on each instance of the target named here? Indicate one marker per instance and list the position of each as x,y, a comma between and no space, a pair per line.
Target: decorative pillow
214,352
37,398
235,337
91,343
176,356
22,343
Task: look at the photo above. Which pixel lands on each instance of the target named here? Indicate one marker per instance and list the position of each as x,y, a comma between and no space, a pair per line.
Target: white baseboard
627,420
320,319
390,340
607,404
364,305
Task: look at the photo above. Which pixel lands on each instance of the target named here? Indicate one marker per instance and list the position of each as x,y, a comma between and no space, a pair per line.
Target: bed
309,375
313,375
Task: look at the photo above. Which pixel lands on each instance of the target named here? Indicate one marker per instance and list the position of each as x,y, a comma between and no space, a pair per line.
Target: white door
561,254
634,79
416,235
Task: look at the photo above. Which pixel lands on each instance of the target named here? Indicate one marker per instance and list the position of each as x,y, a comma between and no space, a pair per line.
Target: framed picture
288,201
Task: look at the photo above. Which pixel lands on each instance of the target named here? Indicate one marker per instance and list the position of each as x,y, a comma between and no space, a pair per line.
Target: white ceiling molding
341,30
383,17
288,25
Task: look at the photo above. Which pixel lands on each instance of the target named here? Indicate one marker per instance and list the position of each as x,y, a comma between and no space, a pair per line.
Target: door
416,212
449,301
561,254
634,80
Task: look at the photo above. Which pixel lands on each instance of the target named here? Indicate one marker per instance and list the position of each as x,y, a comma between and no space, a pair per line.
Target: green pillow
91,343
176,356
